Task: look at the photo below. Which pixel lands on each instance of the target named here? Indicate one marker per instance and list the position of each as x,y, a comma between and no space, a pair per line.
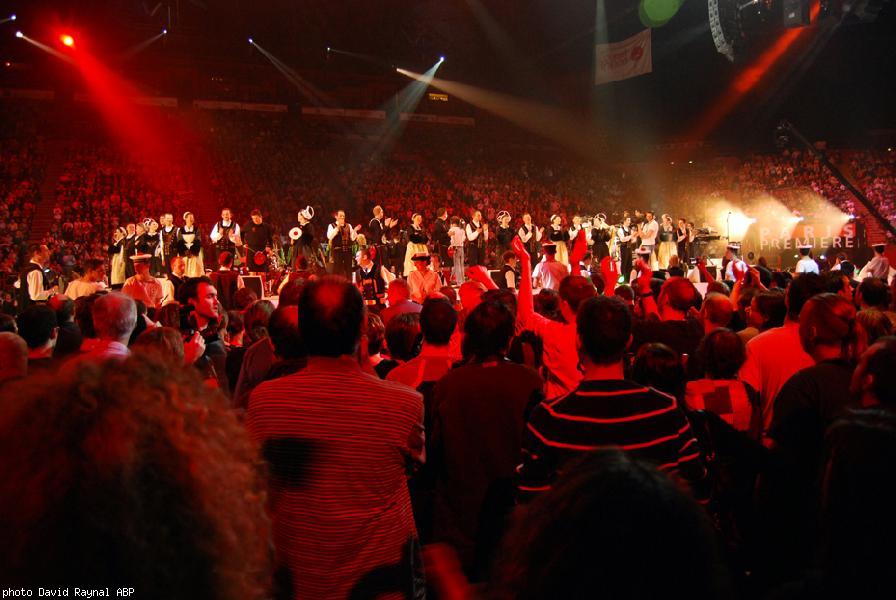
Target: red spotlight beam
747,80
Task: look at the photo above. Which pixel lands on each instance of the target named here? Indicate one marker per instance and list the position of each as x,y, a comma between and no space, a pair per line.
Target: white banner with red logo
622,60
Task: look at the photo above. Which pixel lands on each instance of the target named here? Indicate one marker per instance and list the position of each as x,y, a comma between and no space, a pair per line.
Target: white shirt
807,265
649,231
333,231
79,288
729,269
36,285
550,273
423,284
457,236
527,236
217,235
472,232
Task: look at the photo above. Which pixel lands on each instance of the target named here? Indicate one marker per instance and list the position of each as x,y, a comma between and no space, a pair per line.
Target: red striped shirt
337,441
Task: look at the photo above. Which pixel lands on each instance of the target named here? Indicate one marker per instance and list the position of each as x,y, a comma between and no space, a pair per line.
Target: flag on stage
622,60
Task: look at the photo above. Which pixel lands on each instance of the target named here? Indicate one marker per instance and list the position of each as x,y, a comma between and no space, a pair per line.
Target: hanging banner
622,60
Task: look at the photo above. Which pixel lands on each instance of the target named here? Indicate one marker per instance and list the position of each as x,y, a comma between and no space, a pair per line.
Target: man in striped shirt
606,410
338,441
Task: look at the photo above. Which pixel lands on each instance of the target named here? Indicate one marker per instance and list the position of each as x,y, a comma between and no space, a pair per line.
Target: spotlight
328,48
67,40
251,41
19,34
12,17
164,32
441,59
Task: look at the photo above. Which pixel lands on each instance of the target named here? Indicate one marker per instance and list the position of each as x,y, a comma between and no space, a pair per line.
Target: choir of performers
530,236
505,232
559,237
168,241
302,240
668,246
372,279
627,238
225,234
417,243
601,235
477,240
189,246
117,257
441,240
341,236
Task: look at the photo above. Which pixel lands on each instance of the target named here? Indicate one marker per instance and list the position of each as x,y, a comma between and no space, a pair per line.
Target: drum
258,262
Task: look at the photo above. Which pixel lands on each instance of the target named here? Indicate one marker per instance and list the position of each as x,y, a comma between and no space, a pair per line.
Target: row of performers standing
164,242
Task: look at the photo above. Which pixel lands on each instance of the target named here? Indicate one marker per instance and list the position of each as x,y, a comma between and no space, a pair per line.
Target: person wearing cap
806,264
417,240
422,280
116,256
878,266
549,272
559,238
734,265
505,233
189,246
143,286
303,245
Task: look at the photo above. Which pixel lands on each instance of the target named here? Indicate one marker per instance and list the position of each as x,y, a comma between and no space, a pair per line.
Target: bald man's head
331,311
13,357
717,310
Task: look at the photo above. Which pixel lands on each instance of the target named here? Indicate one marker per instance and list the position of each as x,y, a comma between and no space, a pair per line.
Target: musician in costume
152,246
189,247
627,238
559,237
668,246
601,235
505,233
341,236
477,240
225,234
682,240
302,240
440,238
168,241
130,250
372,279
117,269
531,236
257,236
417,243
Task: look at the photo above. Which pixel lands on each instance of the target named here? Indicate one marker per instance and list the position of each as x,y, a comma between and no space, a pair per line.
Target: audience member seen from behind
13,357
403,341
138,461
38,327
616,525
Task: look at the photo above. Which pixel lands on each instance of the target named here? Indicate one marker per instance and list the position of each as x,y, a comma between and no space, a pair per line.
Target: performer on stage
116,254
341,236
302,240
168,240
417,240
152,246
189,246
668,244
559,237
682,240
225,234
531,236
477,238
601,234
504,234
372,278
734,264
376,231
456,250
257,236
440,237
130,250
648,232
627,237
